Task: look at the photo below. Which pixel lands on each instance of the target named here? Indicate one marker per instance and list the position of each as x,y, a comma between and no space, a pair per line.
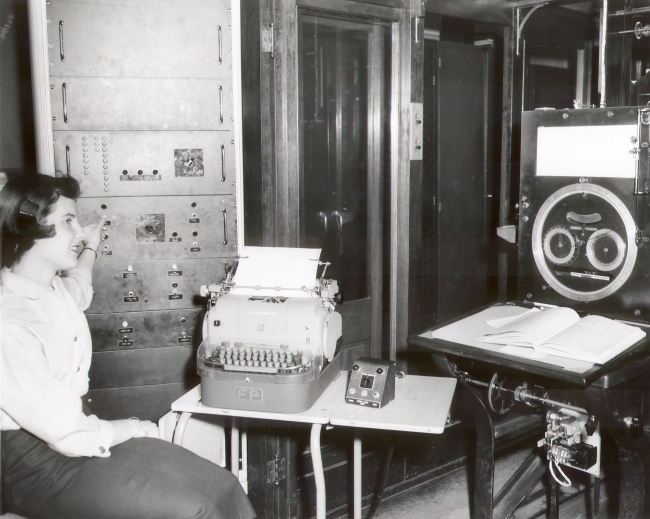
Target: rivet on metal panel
124,324
129,268
51,87
183,320
174,267
106,190
565,116
54,118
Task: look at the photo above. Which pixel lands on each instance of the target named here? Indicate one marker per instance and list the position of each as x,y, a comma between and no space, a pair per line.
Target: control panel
372,383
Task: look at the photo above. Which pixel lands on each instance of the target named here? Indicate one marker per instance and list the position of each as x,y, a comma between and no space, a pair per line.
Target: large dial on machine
583,242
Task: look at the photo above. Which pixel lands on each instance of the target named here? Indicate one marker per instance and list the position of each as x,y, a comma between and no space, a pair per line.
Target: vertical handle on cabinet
61,52
220,104
64,88
220,42
223,163
225,226
67,159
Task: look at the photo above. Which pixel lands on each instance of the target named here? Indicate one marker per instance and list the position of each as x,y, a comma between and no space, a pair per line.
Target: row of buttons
364,392
104,149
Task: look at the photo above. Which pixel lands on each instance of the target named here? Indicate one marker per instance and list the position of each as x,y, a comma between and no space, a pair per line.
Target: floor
448,497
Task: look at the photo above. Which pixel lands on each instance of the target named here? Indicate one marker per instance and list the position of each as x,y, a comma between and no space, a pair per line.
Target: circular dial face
606,250
560,245
583,242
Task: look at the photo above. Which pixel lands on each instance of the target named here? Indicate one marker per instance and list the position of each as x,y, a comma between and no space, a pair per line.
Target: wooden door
345,77
457,244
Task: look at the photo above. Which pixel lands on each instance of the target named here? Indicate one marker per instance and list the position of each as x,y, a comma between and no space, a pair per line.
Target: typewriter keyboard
257,359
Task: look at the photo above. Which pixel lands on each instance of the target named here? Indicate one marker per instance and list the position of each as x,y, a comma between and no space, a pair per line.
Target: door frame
281,161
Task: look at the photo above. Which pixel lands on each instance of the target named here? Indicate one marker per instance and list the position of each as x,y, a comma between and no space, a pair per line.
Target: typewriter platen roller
271,333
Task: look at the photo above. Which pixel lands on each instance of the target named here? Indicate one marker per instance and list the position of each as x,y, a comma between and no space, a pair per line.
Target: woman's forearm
124,430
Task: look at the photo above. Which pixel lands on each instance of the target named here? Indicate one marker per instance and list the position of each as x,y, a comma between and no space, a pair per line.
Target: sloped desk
455,343
421,405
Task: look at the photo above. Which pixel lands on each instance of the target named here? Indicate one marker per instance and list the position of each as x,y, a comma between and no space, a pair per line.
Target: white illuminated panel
586,151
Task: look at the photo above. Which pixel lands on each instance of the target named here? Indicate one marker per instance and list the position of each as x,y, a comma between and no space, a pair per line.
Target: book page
533,328
593,337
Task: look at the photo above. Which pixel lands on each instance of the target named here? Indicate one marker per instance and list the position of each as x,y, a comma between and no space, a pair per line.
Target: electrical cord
566,482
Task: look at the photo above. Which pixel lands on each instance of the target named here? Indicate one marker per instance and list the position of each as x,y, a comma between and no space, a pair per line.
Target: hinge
267,38
275,470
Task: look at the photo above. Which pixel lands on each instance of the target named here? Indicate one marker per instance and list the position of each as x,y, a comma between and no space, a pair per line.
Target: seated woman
57,462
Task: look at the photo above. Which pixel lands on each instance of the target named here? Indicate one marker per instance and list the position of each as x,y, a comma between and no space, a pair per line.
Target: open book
561,332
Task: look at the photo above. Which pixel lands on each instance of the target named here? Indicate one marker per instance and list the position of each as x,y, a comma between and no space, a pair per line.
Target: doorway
345,74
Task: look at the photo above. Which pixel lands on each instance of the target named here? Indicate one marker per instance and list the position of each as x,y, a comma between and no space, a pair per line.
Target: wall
16,118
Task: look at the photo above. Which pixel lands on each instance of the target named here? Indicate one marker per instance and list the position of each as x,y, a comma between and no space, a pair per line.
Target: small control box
372,383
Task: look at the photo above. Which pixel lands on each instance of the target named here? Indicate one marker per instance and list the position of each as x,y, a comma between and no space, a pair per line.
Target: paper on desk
277,271
468,330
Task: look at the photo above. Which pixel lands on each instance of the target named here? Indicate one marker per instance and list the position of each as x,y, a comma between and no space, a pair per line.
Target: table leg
234,447
357,475
319,474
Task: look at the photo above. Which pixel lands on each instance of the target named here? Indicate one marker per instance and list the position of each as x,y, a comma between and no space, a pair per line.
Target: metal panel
142,367
93,38
109,163
89,103
137,286
140,330
163,227
592,289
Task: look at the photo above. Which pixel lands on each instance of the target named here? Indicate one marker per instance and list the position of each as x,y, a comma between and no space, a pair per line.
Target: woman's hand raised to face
95,234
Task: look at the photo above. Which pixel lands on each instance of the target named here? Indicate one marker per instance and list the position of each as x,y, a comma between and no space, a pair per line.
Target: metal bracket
275,470
520,25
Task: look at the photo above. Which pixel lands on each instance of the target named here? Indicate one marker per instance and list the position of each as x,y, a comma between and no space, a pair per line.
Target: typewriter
270,334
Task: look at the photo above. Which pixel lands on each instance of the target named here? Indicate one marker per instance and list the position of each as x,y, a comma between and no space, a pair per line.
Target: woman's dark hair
25,203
